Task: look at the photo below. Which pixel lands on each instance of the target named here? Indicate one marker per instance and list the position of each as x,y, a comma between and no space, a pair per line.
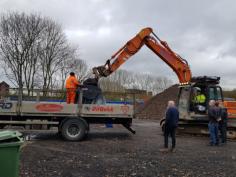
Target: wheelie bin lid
10,136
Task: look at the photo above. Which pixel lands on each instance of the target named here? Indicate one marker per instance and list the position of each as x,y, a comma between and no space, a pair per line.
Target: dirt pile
155,107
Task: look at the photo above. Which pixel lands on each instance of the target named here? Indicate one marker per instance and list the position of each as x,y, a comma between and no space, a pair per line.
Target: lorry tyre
86,132
163,128
162,124
60,126
74,129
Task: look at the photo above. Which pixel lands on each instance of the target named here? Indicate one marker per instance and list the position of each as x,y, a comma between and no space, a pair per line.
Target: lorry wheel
86,131
74,129
162,124
163,128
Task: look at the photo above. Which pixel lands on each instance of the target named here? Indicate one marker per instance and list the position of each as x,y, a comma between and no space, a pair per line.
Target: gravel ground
117,153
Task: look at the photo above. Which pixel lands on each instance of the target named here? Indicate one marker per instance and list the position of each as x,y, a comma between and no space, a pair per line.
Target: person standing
71,86
213,114
223,123
171,123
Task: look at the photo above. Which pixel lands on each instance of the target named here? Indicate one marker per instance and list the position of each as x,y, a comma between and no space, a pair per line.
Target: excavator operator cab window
201,95
211,93
215,93
219,93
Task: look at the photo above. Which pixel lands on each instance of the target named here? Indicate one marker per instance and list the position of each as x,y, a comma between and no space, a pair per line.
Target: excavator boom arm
160,48
179,65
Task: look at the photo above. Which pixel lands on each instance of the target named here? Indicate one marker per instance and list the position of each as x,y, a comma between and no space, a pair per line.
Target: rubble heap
155,107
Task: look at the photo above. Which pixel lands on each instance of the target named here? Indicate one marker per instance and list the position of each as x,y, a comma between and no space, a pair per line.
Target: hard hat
72,73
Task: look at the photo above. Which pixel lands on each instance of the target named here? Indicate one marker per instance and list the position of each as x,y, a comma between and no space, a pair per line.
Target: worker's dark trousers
223,132
170,131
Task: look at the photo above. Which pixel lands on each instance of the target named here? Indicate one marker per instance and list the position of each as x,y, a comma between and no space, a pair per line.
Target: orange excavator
159,47
193,115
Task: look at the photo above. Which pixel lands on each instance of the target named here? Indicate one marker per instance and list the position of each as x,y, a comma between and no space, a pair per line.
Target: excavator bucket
101,71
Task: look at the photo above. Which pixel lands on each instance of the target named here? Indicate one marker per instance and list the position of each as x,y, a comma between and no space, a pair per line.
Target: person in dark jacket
171,123
223,123
213,115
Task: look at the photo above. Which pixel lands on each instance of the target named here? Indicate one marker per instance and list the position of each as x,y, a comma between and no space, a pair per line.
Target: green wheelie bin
10,142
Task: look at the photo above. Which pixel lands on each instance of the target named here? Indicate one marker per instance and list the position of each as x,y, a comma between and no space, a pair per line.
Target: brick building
4,89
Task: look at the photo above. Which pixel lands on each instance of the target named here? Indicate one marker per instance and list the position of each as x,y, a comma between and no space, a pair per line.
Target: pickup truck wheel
73,129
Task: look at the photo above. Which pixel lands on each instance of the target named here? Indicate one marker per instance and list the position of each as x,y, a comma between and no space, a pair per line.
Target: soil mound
156,106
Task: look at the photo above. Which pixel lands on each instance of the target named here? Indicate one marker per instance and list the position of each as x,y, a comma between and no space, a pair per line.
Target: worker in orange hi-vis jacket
71,85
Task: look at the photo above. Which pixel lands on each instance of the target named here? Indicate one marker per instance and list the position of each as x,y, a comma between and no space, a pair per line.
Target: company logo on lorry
124,109
5,105
49,107
102,109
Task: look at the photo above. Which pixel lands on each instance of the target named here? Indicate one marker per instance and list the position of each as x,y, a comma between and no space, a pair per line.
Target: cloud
77,33
201,31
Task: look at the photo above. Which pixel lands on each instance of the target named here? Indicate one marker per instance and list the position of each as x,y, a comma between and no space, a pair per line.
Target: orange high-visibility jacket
72,82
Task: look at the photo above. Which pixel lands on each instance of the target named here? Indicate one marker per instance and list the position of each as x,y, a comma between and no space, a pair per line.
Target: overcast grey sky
203,31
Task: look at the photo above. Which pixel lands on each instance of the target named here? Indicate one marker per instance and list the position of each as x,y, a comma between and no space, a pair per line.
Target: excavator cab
192,111
194,98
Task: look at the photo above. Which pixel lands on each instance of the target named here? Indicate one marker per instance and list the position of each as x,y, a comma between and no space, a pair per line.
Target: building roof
4,83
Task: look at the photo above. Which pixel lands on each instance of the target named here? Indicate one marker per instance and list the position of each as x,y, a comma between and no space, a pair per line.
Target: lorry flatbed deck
72,120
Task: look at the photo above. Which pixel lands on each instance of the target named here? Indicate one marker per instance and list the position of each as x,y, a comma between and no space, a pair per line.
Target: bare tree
111,86
81,69
18,33
34,50
121,80
54,50
79,66
117,82
31,67
64,72
73,64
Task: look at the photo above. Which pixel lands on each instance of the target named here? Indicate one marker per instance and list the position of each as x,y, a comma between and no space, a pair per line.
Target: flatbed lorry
72,120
